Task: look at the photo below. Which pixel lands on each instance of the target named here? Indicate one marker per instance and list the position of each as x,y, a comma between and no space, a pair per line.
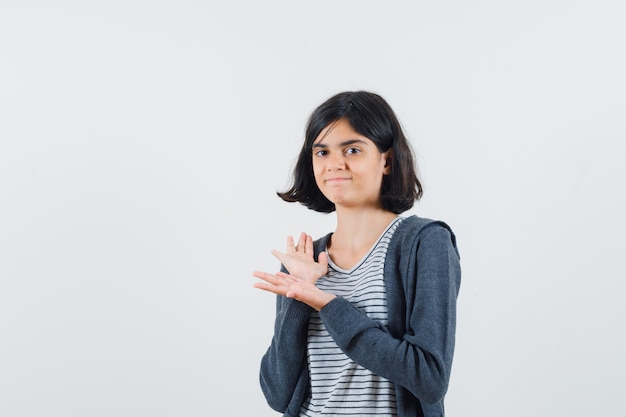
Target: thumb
322,258
279,255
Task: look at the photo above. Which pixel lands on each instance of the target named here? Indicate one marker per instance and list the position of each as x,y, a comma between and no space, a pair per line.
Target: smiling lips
336,180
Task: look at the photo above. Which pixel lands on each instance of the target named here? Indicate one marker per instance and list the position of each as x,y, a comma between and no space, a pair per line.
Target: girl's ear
388,159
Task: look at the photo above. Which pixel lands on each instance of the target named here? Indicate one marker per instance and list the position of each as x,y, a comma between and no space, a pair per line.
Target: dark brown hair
371,116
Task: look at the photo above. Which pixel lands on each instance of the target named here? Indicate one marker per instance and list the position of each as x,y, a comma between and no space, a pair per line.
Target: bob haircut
371,116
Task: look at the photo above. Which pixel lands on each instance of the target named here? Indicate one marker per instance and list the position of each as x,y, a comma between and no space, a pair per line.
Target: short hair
371,116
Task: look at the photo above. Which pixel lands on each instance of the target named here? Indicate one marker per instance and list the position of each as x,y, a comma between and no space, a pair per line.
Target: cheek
317,171
318,166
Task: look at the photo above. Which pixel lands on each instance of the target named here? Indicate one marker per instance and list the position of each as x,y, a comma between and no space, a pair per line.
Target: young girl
365,316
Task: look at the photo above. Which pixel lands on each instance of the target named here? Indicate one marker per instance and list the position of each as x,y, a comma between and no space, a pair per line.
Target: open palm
299,261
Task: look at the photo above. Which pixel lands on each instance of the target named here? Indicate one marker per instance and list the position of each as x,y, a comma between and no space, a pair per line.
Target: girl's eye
353,151
321,152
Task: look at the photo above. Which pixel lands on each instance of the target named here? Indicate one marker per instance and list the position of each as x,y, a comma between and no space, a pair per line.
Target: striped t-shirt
338,385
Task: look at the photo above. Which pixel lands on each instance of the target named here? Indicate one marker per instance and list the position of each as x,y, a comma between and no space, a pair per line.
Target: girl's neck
359,228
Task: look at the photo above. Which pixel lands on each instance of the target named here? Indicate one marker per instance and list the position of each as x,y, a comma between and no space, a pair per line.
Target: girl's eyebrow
344,143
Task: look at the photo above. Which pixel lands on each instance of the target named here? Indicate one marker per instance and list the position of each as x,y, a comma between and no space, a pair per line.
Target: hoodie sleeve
284,363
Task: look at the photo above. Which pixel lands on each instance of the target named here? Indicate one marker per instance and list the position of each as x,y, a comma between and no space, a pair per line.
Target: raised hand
293,287
299,259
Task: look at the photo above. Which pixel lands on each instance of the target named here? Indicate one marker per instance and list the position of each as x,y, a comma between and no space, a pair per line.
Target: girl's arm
421,359
282,365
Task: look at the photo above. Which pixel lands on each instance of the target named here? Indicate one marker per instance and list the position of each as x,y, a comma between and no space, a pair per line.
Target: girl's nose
336,161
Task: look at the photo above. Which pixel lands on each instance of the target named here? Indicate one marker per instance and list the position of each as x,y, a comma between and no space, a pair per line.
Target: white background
142,142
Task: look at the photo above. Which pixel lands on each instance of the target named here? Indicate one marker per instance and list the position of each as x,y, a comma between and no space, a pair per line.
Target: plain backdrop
142,143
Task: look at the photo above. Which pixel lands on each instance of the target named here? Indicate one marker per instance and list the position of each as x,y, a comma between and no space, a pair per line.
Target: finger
287,277
269,278
308,248
301,242
279,255
265,286
290,246
261,275
279,284
270,288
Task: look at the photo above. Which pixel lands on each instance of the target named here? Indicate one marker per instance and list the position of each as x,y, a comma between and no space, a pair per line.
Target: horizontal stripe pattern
339,386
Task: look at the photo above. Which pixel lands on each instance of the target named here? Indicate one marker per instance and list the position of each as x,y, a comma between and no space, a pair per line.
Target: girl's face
348,167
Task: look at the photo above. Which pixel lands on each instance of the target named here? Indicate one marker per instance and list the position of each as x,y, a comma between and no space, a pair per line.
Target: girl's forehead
337,132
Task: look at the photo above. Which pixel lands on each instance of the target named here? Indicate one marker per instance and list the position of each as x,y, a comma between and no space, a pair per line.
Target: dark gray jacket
422,276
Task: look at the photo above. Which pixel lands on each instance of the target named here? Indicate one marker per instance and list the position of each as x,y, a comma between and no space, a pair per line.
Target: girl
365,316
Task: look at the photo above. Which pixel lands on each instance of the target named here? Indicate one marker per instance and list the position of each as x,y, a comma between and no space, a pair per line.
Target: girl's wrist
328,297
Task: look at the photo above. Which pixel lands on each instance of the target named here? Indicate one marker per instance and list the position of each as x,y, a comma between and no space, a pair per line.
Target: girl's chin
346,203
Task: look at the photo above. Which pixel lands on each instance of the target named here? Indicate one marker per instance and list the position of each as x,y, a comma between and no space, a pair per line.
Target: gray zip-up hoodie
422,277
